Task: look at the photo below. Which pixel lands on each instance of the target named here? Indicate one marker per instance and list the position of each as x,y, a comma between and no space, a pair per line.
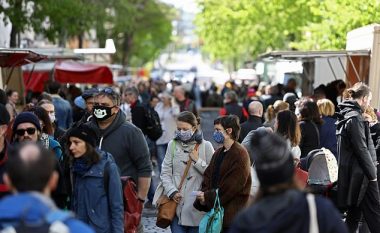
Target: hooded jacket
33,207
127,145
287,212
356,155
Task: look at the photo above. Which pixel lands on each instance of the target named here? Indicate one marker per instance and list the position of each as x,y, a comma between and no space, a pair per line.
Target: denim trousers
175,228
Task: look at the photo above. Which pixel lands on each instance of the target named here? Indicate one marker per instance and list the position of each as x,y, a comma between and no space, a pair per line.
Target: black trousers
369,208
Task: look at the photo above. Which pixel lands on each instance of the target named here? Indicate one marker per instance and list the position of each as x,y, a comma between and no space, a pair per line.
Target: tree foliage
234,31
140,28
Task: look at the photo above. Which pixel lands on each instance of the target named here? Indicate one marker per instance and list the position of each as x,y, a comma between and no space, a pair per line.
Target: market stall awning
35,81
15,57
78,72
310,55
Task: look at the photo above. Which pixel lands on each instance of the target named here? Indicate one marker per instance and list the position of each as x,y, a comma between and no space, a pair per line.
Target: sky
186,5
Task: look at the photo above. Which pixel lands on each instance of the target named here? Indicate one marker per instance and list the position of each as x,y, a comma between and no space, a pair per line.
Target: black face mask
102,113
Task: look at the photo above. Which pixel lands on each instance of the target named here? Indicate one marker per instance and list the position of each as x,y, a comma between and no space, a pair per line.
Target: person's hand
177,197
201,197
194,155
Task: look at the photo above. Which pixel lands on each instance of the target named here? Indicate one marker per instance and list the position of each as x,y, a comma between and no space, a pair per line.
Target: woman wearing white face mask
187,144
50,109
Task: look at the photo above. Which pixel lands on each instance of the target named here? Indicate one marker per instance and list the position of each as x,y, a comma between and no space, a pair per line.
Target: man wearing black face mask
122,139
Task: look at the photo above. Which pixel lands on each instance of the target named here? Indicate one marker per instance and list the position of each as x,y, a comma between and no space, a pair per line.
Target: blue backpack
212,222
53,222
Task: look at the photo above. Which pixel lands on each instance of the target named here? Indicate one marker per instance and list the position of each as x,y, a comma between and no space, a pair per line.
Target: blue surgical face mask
184,135
218,137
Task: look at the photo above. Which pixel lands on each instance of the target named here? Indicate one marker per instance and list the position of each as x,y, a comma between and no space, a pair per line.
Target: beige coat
173,168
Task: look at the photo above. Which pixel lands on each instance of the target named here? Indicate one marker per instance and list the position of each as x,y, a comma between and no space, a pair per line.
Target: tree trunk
127,47
13,41
80,40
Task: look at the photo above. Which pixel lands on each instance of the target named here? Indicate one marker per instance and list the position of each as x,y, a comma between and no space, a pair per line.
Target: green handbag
212,222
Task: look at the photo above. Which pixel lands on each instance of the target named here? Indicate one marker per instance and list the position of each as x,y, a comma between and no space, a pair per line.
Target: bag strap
217,201
313,225
188,164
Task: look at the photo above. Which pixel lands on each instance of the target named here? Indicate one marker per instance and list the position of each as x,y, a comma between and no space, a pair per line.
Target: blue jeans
175,228
161,151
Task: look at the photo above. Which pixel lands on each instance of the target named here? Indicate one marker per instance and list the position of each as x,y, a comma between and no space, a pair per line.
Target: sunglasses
30,131
108,90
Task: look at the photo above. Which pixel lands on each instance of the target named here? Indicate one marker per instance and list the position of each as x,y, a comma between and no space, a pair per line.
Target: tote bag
212,222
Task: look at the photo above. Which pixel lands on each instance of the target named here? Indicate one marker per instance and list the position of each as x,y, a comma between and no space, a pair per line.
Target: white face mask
52,117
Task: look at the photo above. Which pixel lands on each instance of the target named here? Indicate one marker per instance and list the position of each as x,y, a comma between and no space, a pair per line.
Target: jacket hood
117,122
348,109
98,168
31,206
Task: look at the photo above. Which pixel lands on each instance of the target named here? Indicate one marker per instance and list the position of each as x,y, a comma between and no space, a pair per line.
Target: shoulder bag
166,206
212,222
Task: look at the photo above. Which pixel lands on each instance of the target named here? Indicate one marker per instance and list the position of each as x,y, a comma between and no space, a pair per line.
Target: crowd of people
75,146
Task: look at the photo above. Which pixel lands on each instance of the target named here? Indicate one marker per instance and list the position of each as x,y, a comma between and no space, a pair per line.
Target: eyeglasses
30,131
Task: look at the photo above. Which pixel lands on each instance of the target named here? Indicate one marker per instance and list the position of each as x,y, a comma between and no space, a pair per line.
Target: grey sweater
127,145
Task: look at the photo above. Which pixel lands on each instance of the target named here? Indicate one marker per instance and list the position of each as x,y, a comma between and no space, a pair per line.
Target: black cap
274,164
4,115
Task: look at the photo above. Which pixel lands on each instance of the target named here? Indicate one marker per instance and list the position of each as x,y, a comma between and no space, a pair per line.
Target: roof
310,55
18,57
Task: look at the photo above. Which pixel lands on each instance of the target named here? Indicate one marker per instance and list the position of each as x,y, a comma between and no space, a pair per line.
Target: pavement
149,214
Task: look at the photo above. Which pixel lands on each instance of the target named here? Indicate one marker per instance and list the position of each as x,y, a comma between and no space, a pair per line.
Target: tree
144,33
235,31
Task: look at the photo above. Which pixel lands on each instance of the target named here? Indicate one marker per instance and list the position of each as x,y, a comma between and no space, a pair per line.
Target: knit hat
26,117
4,115
84,132
274,164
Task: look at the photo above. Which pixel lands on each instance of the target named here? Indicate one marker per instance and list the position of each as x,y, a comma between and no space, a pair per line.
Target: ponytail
358,91
270,114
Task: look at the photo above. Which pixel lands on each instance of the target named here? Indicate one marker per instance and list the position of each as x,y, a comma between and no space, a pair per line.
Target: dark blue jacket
90,201
33,208
327,134
287,213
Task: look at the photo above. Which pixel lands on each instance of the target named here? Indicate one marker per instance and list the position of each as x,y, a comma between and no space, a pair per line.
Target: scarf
81,166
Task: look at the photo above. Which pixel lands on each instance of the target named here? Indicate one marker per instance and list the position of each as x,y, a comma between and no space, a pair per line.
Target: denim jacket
63,111
90,201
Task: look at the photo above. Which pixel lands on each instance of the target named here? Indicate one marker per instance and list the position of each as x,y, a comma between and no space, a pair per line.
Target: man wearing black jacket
255,119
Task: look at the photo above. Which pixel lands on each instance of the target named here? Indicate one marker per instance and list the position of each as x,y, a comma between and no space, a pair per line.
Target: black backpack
153,125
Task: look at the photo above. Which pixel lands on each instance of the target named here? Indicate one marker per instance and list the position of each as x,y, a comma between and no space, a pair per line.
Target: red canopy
35,81
16,57
77,72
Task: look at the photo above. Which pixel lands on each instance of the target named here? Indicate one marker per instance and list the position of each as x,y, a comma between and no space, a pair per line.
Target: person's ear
229,131
53,181
117,108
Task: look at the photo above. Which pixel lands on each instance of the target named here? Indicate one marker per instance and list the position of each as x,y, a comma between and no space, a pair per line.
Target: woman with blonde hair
272,111
327,130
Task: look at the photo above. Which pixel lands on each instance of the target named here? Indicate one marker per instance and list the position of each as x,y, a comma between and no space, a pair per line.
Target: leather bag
166,206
